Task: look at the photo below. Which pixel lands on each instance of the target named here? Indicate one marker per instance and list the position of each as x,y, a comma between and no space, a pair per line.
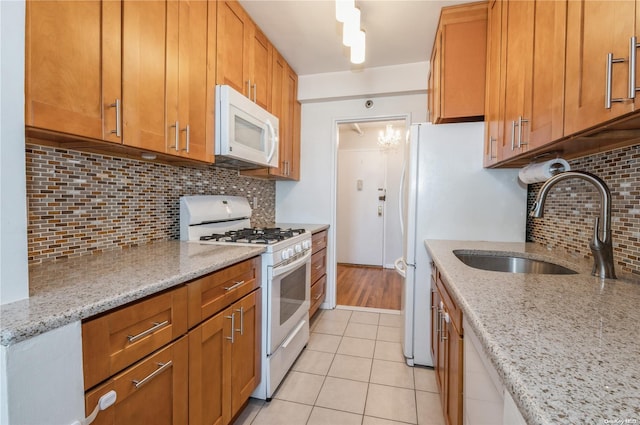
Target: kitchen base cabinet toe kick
163,373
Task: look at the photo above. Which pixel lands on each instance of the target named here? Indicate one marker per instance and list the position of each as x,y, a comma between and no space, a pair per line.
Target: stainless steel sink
509,263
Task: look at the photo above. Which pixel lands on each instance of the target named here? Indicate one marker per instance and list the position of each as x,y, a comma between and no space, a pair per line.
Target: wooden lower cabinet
225,362
318,270
447,349
153,391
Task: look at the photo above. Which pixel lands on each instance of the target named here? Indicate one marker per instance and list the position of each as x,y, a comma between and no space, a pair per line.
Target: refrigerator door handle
401,196
401,267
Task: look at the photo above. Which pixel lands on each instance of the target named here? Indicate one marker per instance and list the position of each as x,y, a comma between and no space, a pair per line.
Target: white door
360,215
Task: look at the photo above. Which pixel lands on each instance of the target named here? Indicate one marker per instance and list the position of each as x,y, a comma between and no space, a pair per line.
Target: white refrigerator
447,194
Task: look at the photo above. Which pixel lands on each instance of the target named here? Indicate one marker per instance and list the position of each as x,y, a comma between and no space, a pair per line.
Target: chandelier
389,138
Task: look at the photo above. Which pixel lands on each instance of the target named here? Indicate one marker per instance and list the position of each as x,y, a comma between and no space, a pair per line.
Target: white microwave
246,135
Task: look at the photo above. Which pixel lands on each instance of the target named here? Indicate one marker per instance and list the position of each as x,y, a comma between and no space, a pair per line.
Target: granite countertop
312,228
567,347
73,289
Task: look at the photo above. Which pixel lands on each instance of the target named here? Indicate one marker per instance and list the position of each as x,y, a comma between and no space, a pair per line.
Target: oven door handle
277,271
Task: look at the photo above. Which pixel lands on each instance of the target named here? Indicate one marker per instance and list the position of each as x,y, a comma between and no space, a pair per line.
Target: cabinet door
545,92
192,80
233,46
494,130
261,69
435,334
154,391
518,49
73,67
453,410
296,141
143,75
290,99
594,29
246,349
434,80
209,371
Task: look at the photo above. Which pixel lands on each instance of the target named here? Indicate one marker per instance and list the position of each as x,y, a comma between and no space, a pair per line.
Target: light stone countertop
73,289
312,228
567,347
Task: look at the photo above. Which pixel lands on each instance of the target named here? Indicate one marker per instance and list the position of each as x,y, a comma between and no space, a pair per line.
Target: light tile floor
352,372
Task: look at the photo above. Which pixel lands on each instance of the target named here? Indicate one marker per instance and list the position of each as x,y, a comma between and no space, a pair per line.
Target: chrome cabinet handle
241,311
234,286
317,297
633,50
446,319
153,374
187,131
608,83
249,89
118,130
176,137
492,142
255,93
514,123
521,121
233,326
155,327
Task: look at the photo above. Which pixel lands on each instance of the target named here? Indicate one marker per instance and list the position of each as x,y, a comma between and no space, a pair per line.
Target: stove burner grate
257,235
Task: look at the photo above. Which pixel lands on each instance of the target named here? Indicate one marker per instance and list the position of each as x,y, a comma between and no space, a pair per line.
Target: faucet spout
601,244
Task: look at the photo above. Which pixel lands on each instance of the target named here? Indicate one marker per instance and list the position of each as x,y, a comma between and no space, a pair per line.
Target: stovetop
256,235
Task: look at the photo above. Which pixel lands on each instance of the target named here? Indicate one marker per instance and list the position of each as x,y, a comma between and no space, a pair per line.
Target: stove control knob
291,252
306,244
285,254
298,248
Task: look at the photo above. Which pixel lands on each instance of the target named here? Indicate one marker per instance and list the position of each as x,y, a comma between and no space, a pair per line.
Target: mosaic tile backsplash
573,205
81,203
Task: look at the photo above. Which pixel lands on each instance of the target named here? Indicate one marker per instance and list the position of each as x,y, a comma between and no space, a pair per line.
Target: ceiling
307,34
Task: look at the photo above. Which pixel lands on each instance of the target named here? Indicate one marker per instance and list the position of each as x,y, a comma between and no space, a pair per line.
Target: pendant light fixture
389,138
352,35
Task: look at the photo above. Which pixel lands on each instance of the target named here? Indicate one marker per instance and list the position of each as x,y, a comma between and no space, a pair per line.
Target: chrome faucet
601,244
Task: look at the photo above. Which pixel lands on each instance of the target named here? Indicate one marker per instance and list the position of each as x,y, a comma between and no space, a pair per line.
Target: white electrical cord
104,402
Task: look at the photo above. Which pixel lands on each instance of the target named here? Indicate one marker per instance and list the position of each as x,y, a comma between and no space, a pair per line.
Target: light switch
359,184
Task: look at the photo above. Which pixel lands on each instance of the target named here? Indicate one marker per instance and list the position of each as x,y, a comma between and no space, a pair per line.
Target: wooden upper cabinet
518,45
189,97
544,98
595,29
244,54
494,100
261,69
460,53
73,67
234,32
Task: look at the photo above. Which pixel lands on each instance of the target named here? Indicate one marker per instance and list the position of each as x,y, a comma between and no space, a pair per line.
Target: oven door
290,287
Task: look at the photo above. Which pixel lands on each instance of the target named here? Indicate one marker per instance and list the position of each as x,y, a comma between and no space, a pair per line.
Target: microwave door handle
274,141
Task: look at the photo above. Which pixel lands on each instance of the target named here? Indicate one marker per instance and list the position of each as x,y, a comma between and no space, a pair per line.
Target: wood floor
372,287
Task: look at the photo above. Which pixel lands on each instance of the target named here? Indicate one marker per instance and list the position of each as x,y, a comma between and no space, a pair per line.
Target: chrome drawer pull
319,267
633,47
151,330
234,286
609,77
233,326
153,374
318,296
118,130
241,311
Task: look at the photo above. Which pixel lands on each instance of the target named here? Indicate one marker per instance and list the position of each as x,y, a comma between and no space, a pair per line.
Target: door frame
332,298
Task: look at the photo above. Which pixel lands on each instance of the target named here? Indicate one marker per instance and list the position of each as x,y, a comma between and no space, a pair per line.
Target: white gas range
286,275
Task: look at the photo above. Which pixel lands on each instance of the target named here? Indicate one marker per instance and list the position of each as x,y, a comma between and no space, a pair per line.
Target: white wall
381,81
14,282
312,199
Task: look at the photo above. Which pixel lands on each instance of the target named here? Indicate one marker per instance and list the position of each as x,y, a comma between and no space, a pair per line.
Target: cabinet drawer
120,338
318,241
318,265
450,305
213,292
159,397
318,290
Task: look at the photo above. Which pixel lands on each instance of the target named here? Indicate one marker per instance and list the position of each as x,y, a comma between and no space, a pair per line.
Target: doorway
368,236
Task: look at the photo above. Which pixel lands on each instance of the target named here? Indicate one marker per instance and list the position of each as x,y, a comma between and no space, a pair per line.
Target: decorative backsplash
573,205
81,203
